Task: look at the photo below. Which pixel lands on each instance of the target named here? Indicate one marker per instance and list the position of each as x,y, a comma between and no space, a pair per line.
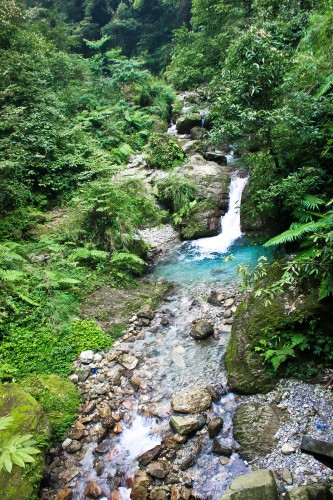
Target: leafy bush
17,450
179,195
163,151
86,334
127,263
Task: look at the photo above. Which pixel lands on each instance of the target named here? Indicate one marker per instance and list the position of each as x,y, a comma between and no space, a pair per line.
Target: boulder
257,485
28,418
187,122
150,455
310,492
254,322
186,425
142,481
215,426
217,156
158,468
201,329
220,447
193,400
255,425
317,447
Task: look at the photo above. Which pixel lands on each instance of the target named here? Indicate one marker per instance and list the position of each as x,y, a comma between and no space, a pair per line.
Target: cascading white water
230,222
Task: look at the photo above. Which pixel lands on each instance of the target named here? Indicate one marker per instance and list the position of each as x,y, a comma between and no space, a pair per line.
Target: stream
172,361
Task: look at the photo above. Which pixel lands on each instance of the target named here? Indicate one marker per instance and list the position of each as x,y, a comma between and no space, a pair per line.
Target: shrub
163,151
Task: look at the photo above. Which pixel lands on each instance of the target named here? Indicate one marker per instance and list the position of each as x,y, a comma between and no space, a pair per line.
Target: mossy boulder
257,485
203,222
255,426
187,122
254,322
28,418
58,397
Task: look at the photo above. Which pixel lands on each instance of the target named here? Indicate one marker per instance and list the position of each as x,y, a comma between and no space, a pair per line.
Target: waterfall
230,222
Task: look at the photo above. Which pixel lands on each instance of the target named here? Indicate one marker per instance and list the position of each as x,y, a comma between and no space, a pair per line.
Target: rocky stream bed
157,419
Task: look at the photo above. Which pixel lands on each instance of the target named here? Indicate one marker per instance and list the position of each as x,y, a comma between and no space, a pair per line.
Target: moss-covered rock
204,221
255,426
253,322
58,397
246,373
257,485
187,122
28,418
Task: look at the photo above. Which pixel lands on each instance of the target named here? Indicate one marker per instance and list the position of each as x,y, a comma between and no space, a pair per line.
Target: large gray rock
193,400
257,485
201,329
310,492
317,447
187,425
255,425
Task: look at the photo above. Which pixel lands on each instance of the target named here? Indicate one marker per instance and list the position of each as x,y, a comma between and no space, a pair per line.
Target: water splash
230,222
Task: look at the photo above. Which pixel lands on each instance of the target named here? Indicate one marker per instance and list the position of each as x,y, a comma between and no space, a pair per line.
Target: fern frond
311,202
296,232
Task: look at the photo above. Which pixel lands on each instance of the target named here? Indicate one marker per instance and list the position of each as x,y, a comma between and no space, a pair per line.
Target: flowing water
171,361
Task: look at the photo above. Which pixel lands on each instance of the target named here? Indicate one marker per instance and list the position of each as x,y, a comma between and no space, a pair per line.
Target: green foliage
17,450
86,334
109,214
179,195
124,264
163,151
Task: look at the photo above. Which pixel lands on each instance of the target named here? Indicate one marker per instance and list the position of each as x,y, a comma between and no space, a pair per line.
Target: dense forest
85,84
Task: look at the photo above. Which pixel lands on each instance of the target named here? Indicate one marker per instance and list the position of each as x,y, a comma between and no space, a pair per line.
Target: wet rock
287,448
188,455
180,493
118,428
165,321
65,494
193,400
186,425
84,373
115,495
146,312
99,467
178,438
142,481
316,447
102,448
128,361
149,455
92,490
74,447
158,468
138,379
215,393
257,485
115,373
160,493
310,492
220,447
213,298
86,357
215,426
255,426
201,329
